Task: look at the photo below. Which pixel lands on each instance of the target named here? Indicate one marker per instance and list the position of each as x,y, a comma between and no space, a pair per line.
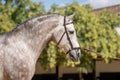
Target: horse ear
71,16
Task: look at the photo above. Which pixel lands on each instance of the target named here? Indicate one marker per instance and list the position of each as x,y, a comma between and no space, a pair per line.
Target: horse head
65,37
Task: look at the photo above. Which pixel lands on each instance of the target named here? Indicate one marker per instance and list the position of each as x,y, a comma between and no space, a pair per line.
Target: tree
14,12
94,32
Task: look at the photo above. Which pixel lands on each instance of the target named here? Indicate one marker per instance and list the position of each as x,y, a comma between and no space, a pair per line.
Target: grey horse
21,47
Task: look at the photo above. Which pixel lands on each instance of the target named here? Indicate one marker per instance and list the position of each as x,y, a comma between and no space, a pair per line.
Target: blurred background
97,24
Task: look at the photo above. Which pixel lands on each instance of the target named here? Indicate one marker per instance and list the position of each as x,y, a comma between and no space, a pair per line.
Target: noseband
68,38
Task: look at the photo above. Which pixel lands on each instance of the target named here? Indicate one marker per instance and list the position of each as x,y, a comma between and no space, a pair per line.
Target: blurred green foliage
95,32
14,12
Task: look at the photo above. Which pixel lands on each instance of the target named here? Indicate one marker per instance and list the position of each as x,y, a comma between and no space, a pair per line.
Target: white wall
62,70
103,67
100,67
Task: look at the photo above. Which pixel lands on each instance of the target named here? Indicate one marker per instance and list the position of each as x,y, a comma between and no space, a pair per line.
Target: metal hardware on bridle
72,48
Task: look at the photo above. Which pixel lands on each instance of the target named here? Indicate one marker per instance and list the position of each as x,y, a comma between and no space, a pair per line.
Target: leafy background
95,32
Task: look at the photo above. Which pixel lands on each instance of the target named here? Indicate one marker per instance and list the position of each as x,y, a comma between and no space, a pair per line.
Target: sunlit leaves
14,12
95,32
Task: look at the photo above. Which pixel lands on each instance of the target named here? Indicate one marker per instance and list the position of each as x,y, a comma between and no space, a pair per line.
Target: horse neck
36,34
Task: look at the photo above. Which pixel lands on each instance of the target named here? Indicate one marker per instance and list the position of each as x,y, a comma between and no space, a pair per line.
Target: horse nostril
78,54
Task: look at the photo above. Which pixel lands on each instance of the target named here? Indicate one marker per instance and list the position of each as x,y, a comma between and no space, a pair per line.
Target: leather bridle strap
60,39
67,33
77,48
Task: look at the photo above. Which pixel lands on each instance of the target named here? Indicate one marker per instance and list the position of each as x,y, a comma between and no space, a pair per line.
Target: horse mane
43,17
40,19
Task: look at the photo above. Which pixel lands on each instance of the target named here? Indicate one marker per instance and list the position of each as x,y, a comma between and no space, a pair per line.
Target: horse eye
71,32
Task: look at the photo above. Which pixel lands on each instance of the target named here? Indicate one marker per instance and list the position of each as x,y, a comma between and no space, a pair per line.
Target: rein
68,38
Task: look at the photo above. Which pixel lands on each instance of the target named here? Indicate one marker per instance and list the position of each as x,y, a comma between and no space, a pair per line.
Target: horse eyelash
71,32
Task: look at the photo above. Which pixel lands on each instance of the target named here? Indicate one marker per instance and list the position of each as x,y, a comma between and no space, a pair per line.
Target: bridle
68,38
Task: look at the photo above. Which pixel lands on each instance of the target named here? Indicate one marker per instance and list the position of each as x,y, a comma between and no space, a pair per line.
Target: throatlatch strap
68,38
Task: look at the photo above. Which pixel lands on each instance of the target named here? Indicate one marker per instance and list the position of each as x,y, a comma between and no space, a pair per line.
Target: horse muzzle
74,54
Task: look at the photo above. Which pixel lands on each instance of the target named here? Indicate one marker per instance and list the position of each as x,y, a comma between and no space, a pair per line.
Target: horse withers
21,47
